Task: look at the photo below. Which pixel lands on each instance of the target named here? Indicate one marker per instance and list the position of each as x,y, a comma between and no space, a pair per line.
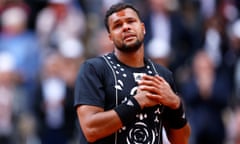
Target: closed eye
131,20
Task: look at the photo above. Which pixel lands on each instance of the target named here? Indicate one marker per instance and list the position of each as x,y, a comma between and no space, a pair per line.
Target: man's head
126,30
116,8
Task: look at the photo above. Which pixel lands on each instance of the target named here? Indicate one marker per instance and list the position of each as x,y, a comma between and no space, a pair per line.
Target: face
126,30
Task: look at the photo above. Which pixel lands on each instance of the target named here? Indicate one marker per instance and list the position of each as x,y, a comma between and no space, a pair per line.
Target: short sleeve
89,86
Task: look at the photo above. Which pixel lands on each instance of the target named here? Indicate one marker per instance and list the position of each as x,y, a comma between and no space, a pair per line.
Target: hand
158,91
144,100
205,85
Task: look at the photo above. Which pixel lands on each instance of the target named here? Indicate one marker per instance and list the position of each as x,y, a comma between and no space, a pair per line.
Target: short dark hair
118,7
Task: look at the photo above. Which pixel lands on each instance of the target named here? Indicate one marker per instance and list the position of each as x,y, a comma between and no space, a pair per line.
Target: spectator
7,94
64,20
54,103
17,40
165,23
206,94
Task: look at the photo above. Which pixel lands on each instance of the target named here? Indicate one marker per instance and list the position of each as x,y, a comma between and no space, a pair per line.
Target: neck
133,59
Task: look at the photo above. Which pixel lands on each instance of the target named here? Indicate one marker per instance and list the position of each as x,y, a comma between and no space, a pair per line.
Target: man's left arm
179,136
177,127
175,122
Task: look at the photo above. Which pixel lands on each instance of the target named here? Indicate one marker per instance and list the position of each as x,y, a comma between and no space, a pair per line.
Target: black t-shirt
106,82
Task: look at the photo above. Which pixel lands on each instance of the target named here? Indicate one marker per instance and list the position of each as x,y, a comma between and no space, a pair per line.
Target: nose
126,27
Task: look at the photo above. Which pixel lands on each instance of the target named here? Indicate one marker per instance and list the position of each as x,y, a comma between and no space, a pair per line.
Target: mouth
129,37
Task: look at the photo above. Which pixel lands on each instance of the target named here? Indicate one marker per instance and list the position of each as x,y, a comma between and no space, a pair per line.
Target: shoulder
94,65
96,61
164,71
100,62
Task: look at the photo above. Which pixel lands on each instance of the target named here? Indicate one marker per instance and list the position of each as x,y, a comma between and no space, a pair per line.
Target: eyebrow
127,18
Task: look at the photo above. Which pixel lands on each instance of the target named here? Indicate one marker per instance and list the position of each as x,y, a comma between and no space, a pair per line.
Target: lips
129,36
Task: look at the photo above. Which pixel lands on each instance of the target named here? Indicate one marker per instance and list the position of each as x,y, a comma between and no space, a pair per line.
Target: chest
122,81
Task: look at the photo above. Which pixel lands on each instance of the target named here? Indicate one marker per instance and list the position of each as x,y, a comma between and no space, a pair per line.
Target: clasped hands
154,90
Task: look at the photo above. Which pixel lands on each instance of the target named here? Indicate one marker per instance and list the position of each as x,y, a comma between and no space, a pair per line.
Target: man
124,98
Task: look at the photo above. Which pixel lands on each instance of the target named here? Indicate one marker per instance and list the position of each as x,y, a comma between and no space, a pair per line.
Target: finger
161,79
147,77
154,97
149,80
148,83
151,89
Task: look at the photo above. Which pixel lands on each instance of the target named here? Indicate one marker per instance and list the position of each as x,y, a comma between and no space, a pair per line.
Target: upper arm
85,115
89,86
179,136
97,123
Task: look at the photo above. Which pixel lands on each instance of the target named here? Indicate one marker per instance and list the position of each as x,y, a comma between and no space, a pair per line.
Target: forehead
125,13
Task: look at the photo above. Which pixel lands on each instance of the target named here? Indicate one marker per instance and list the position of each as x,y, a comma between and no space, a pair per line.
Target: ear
143,27
110,37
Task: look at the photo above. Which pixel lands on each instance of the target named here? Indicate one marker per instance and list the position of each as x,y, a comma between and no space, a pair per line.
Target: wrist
127,111
176,118
140,98
176,104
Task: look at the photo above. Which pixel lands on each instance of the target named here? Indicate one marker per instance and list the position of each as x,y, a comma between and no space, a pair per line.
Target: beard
131,47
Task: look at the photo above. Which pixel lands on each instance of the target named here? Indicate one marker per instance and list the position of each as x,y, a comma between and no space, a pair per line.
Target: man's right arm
97,123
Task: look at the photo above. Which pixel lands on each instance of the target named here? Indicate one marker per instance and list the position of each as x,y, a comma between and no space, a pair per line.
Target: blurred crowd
43,43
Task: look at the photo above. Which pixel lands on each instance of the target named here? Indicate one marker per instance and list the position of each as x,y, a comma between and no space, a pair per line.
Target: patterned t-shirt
106,82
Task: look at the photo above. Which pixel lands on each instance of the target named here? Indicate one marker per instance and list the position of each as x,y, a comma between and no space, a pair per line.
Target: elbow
186,135
188,131
91,134
180,136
